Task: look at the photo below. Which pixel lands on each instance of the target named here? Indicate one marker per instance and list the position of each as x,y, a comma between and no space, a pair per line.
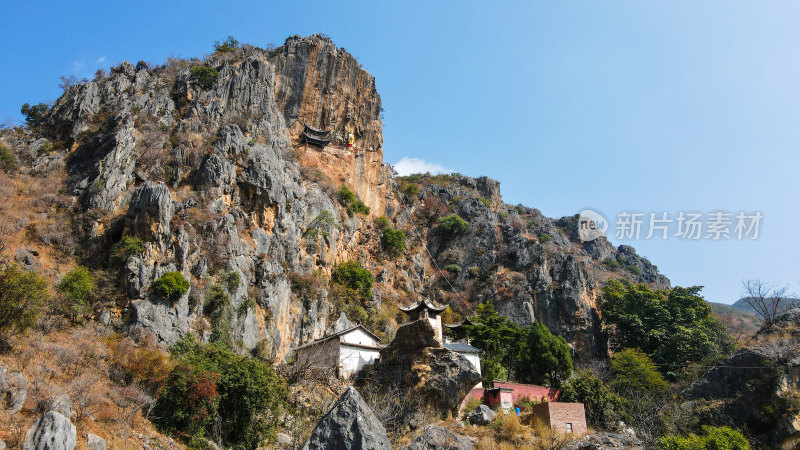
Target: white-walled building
347,351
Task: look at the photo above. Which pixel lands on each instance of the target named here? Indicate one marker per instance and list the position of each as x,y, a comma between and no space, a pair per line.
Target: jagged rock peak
311,71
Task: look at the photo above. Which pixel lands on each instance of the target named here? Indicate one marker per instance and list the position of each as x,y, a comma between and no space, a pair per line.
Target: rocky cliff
202,161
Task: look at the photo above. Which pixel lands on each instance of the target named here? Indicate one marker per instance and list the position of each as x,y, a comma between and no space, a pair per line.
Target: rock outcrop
95,442
312,71
350,424
52,431
417,364
482,415
438,438
212,176
756,387
604,441
14,387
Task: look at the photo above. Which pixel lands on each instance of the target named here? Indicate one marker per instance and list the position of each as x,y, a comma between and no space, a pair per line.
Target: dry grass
506,432
81,363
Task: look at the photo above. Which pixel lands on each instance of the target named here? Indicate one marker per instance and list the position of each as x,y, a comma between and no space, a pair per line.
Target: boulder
438,438
16,391
482,415
416,363
602,441
350,424
52,431
95,442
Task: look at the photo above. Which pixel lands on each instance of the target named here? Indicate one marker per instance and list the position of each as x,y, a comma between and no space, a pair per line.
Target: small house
347,351
560,416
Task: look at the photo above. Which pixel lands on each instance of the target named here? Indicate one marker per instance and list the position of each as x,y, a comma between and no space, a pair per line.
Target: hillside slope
203,161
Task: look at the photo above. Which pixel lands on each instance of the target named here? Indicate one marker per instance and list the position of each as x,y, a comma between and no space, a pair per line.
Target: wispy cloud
77,66
101,60
407,166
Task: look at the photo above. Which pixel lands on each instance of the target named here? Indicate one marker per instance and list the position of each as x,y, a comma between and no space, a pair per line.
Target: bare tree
67,81
768,302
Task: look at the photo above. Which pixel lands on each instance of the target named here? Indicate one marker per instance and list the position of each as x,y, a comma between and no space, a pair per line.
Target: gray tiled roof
461,348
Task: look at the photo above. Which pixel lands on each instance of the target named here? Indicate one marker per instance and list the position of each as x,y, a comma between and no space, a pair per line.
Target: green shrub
216,299
245,306
611,263
636,374
395,240
76,287
544,237
713,438
171,285
228,45
205,77
217,307
352,276
22,295
453,225
410,190
231,280
604,408
633,269
355,313
215,391
381,222
543,357
321,225
349,200
8,162
675,327
128,246
34,115
455,269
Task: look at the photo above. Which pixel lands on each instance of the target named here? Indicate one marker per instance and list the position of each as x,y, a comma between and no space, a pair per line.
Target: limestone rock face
214,179
52,431
416,363
150,212
350,424
438,438
312,71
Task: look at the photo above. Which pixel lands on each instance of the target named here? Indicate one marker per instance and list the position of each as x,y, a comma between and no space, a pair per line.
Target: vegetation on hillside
526,354
213,392
673,327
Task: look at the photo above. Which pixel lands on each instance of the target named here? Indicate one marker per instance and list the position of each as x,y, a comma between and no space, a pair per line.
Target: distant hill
742,305
739,319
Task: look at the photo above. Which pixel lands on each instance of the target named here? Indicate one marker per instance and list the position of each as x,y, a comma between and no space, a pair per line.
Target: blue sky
614,106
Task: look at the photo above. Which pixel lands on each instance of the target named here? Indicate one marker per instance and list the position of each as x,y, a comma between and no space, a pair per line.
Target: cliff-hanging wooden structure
315,137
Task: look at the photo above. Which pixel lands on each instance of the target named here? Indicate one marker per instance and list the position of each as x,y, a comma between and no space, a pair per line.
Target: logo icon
591,225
